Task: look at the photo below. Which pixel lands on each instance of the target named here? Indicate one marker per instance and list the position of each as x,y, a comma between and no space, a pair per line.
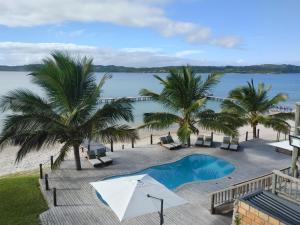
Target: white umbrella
132,196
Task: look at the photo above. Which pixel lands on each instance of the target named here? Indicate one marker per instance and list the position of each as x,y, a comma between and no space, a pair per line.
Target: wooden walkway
78,203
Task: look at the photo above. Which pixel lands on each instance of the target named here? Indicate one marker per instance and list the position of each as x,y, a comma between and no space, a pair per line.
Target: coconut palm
184,95
252,104
67,113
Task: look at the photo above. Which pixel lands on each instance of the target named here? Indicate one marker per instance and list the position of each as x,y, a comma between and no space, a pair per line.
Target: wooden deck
78,203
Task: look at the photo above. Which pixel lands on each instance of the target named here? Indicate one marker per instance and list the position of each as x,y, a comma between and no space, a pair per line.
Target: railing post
54,197
257,133
132,143
274,183
51,162
212,204
212,139
111,145
41,171
246,136
46,182
151,139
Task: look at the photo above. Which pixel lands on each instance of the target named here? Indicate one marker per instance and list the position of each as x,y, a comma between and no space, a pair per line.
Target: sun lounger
101,152
207,141
96,162
169,143
199,141
234,145
226,143
91,154
106,160
172,142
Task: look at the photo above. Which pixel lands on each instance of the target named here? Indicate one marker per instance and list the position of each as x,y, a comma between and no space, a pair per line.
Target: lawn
21,201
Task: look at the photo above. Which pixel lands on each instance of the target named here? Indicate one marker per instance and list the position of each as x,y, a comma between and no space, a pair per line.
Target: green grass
21,201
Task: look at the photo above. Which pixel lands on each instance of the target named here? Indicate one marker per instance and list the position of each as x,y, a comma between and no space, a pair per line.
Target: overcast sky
152,32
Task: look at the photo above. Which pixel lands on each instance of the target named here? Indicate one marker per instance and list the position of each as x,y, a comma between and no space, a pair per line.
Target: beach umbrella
132,196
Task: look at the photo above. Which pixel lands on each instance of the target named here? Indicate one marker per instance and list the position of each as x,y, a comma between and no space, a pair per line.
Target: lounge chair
96,162
172,142
226,143
207,141
101,152
234,145
199,141
106,160
91,154
169,143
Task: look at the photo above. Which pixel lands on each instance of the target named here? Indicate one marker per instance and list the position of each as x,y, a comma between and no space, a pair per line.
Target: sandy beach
33,159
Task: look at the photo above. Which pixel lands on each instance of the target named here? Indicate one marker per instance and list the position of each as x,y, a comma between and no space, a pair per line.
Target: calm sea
129,84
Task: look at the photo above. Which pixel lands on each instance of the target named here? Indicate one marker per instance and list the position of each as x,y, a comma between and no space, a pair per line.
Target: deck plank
79,205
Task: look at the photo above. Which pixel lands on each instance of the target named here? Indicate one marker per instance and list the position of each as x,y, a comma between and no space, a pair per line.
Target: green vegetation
252,104
184,94
69,112
21,200
266,68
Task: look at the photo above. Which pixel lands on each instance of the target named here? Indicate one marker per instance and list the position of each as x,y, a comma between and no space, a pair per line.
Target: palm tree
252,104
184,94
67,113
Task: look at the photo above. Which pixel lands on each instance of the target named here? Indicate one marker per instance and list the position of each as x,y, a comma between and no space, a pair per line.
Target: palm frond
62,154
159,120
118,133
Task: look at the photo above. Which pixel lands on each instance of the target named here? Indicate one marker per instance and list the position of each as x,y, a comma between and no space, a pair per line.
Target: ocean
129,84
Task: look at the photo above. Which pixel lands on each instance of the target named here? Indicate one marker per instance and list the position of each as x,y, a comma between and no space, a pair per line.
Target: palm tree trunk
254,131
77,157
189,141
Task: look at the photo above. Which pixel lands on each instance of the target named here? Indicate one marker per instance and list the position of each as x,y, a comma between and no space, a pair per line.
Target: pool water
196,167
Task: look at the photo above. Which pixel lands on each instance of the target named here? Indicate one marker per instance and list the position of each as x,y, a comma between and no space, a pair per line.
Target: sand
33,159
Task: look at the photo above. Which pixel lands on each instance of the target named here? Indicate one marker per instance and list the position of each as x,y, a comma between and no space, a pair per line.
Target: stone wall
251,216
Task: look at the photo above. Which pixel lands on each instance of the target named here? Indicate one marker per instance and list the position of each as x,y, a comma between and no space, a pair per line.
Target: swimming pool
196,167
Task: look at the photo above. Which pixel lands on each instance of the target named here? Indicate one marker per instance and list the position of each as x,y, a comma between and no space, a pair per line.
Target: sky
145,33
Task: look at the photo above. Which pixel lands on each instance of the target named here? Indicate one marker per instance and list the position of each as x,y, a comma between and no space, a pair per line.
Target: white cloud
186,53
18,53
134,13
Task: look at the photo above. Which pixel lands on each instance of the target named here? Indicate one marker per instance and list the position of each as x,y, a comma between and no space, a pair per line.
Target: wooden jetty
148,98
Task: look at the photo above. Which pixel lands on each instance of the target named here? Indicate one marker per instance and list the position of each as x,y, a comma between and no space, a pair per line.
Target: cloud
186,53
131,13
19,53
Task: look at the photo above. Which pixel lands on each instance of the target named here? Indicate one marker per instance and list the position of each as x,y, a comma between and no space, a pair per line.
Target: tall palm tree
252,104
184,94
67,113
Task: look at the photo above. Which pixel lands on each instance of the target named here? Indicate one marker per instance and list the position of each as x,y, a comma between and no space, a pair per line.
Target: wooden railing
228,195
285,185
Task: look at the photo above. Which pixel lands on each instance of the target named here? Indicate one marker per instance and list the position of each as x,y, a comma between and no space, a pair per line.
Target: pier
275,109
147,98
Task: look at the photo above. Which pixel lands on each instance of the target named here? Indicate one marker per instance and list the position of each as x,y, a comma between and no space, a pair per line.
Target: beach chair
101,152
106,160
172,142
96,162
91,154
226,143
200,140
234,145
168,143
207,141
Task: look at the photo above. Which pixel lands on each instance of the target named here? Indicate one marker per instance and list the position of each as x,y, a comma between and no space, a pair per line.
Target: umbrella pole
161,213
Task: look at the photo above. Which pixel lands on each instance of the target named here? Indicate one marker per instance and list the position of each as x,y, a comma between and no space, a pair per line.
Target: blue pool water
196,167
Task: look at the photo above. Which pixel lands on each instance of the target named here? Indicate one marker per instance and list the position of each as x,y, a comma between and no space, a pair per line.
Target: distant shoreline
256,69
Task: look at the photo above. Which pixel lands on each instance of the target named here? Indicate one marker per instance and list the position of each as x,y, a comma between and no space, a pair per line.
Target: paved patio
78,203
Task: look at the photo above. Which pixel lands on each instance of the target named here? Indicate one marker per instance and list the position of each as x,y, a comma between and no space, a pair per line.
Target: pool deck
78,203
